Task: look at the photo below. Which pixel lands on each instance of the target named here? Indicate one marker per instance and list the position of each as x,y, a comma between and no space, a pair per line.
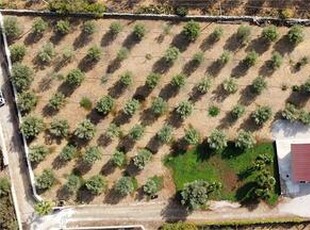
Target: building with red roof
300,162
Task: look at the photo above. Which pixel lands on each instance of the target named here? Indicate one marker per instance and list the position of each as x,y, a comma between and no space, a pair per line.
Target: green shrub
32,126
171,54
244,33
178,81
113,131
181,11
261,115
39,26
238,111
250,59
276,60
11,27
213,111
85,130
179,226
143,157
224,58
230,85
43,207
86,103
76,6
89,27
131,107
259,84
126,79
38,153
159,106
94,54
198,58
91,155
75,77
59,128
105,105
296,34
22,76
47,53
290,112
136,132
115,28
5,186
153,185
184,109
304,117
245,140
45,180
270,33
217,140
68,153
122,54
191,30
73,183
118,158
204,85
62,27
165,134
96,184
217,33
192,136
124,186
68,54
26,101
57,101
139,31
152,80
17,51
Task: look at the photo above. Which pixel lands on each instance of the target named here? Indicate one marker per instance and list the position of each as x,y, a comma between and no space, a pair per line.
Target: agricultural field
115,97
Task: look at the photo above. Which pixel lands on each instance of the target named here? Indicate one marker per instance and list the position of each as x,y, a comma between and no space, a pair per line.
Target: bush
153,185
139,31
159,106
245,140
68,153
17,51
45,180
38,153
244,33
67,55
21,76
290,112
181,11
237,111
122,54
198,58
62,27
143,157
261,115
5,186
31,126
137,132
39,26
191,30
165,134
194,195
192,136
59,128
179,226
76,6
57,101
113,131
75,77
85,130
276,60
94,54
105,105
250,59
131,107
26,101
270,33
178,81
204,85
184,109
224,58
96,184
296,34
217,33
11,27
152,80
118,158
217,140
43,207
259,84
213,111
230,85
126,78
305,88
124,186
86,103
171,54
91,155
47,53
115,28
73,183
304,117
89,27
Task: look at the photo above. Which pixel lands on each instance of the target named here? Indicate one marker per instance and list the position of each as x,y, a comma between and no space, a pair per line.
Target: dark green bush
139,31
62,27
18,51
296,34
191,30
11,27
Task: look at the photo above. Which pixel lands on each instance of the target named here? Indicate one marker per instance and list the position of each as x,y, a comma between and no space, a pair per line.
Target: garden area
108,104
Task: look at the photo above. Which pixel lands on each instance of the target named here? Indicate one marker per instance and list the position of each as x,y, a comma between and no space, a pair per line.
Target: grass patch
230,167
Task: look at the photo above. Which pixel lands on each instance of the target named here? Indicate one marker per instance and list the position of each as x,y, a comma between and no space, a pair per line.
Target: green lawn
228,167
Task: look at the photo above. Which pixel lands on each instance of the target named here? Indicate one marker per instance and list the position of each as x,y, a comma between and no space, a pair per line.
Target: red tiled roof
301,162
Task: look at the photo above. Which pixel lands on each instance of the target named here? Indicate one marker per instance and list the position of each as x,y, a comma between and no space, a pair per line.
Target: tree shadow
112,197
82,167
219,94
121,118
178,147
231,151
55,38
117,89
245,173
142,92
190,67
226,121
108,168
147,117
130,41
249,125
84,196
114,65
48,111
81,40
266,69
180,41
66,89
58,163
240,70
107,39
32,38
86,65
298,98
247,96
154,144
245,195
174,120
195,95
233,43
259,45
215,68
168,91
283,46
139,194
95,117
104,140
126,144
63,193
161,66
207,43
204,152
132,170
173,211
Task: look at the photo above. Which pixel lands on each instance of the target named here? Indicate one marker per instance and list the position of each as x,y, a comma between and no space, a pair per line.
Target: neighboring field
231,167
119,66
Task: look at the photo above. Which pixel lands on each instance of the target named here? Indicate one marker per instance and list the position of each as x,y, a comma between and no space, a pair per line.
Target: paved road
13,145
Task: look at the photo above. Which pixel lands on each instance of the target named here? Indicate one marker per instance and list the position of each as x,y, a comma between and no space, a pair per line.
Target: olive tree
153,185
139,31
304,117
143,157
11,27
85,130
39,26
204,85
73,183
118,158
38,153
230,85
22,76
184,109
126,79
250,59
105,105
245,140
89,27
26,101
122,54
68,153
96,184
276,60
224,58
159,106
17,51
258,85
165,134
217,140
238,111
217,33
192,136
47,53
131,107
124,186
94,54
152,80
178,81
91,155
32,126
270,33
59,128
43,207
261,115
171,54
136,132
115,28
45,180
290,112
113,131
296,34
75,77
243,33
191,30
57,101
62,27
